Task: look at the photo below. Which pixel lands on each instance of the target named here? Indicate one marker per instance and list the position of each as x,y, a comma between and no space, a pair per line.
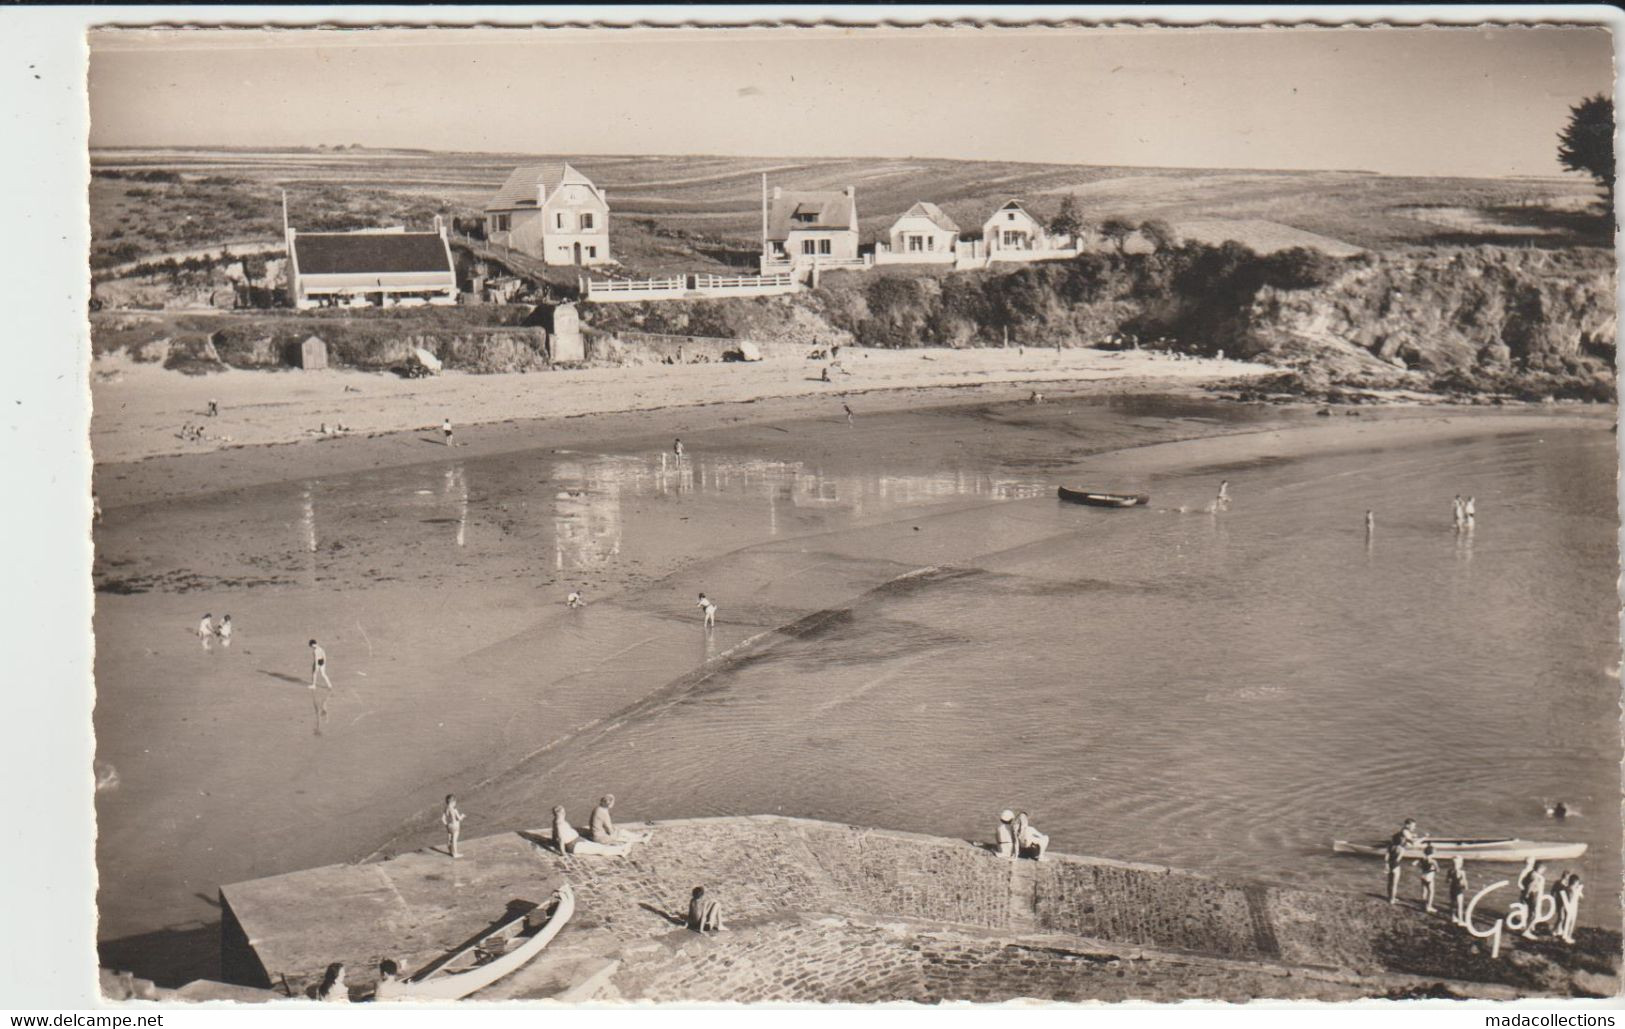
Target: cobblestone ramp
825,912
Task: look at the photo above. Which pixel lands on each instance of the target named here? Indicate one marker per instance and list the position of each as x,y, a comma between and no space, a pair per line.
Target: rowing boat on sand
476,965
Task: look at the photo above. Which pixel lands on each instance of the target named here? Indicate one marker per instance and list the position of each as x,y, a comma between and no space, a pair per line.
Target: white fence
677,287
609,291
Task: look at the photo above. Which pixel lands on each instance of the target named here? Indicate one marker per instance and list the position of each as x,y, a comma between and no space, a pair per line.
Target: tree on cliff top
1586,143
1067,221
1159,234
1118,230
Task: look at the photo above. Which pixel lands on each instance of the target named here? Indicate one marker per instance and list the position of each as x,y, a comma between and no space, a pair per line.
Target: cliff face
1442,310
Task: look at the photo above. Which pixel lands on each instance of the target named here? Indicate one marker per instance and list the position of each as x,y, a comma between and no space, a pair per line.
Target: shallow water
1223,691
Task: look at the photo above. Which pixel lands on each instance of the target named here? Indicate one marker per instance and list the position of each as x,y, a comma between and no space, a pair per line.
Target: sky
1479,102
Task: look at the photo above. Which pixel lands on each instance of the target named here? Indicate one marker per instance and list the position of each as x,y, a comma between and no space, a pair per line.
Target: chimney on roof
778,192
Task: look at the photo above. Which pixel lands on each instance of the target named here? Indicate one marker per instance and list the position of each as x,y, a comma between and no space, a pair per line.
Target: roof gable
811,210
932,213
358,253
519,190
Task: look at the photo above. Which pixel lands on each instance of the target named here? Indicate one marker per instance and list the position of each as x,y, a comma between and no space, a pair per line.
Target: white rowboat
500,952
1503,848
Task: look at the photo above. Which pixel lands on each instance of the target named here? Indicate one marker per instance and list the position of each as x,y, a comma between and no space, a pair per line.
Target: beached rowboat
1078,496
1502,848
477,965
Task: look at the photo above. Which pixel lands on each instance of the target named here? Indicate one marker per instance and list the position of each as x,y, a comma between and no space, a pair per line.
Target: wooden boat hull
1078,496
1506,849
445,980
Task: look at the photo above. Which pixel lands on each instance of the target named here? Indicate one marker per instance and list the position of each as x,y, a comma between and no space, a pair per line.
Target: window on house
586,220
591,251
1012,239
1010,217
809,247
916,243
823,246
499,223
560,218
930,242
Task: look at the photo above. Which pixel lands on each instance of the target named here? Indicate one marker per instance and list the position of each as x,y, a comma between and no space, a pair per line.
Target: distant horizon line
351,147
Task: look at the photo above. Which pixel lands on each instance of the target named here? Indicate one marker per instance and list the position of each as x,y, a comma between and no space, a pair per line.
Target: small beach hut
313,354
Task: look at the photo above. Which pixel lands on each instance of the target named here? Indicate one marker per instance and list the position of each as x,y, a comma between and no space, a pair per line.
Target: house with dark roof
923,234
810,227
565,223
378,267
1012,228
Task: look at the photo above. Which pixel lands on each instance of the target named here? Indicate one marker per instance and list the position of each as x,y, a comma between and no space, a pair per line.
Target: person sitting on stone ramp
602,827
568,841
1029,841
704,913
1006,834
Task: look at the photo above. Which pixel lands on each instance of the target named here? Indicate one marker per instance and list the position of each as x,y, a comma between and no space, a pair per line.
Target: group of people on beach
1564,898
1017,837
207,630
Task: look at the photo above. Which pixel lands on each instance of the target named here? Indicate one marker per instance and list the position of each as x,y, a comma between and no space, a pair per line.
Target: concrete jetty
825,912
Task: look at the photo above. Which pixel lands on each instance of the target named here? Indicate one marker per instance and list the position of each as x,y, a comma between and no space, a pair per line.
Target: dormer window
804,215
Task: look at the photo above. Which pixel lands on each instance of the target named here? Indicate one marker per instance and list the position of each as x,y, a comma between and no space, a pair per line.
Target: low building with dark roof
811,227
392,266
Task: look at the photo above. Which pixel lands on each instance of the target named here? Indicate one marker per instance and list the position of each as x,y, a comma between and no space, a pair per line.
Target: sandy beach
436,577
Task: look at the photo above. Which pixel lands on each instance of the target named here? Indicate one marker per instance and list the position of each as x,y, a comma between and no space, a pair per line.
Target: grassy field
700,213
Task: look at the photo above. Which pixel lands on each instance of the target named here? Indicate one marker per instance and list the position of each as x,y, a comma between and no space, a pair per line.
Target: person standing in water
1469,512
677,448
1370,524
1457,884
452,818
1427,869
710,610
575,599
445,427
848,409
205,626
318,665
225,631
1459,512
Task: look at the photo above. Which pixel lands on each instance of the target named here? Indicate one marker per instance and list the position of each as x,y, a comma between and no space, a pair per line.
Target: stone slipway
825,912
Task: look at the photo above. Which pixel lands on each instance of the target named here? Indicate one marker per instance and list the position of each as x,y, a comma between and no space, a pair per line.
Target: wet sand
455,665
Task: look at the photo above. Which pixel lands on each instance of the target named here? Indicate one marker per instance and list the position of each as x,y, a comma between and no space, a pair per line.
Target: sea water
1221,689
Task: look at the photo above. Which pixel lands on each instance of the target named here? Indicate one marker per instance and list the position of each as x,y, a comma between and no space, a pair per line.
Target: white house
1012,228
391,266
811,227
923,233
565,224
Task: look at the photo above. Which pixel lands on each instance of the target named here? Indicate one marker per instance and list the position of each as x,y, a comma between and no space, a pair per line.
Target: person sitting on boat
568,841
332,988
602,827
704,913
1569,892
389,981
1393,861
1029,841
1427,868
1457,882
1006,834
